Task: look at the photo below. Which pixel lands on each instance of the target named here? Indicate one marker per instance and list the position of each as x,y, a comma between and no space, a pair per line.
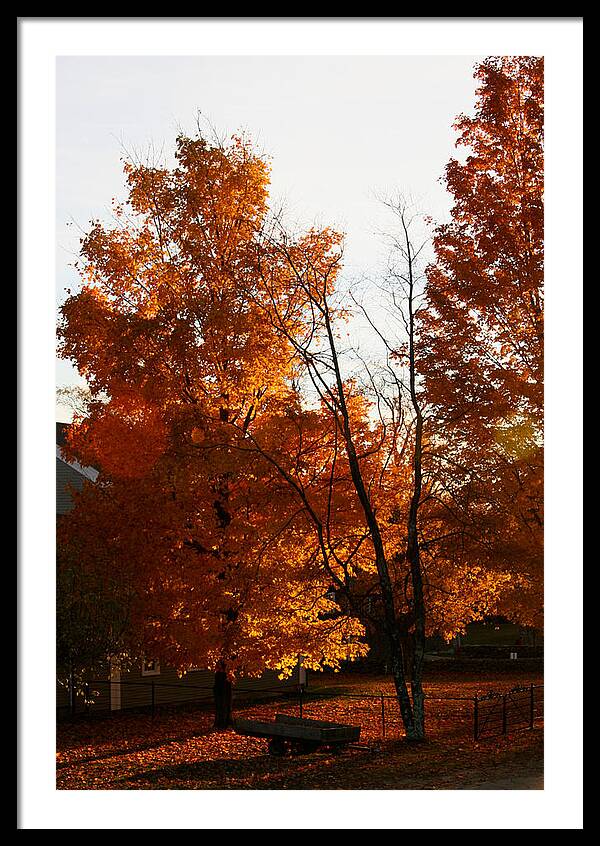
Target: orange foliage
225,499
481,344
172,332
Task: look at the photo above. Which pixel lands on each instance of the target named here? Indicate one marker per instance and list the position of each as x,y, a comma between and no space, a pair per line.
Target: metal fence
104,696
379,714
496,714
482,717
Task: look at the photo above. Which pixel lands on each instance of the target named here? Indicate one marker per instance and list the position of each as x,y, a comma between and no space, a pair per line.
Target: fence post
531,708
382,715
153,698
86,697
300,692
504,714
476,718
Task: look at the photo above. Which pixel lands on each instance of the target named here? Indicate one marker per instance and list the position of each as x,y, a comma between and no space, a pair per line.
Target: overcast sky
338,130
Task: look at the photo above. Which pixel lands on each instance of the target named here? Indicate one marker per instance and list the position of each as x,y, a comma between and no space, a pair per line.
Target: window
150,667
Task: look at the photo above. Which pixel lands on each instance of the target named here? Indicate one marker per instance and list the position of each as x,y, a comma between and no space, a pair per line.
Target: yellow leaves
466,593
519,438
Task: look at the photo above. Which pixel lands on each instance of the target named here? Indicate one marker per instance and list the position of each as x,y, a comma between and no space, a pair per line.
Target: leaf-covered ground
180,750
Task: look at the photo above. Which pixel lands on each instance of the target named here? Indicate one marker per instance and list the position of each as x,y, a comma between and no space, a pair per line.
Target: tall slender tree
312,264
482,334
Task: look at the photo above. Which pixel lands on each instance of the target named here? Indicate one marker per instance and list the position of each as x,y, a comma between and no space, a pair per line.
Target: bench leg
305,747
277,746
338,748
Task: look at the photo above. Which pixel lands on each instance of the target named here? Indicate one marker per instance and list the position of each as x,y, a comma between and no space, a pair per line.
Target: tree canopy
257,497
171,330
482,331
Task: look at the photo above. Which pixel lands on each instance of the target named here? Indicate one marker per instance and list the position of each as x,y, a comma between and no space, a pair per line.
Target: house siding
66,478
136,690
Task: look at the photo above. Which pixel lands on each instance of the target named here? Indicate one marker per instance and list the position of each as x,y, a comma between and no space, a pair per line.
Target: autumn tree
391,460
482,333
263,485
171,332
367,449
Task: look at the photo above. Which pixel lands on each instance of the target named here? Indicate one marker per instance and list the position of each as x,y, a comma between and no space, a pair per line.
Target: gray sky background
338,129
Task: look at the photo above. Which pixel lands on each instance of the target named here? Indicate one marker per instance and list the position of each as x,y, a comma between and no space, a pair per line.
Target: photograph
298,318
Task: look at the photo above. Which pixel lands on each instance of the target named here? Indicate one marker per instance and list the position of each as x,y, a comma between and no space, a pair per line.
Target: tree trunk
408,650
414,731
335,399
223,696
413,555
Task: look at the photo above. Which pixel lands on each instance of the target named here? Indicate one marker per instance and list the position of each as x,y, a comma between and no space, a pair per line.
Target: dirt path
531,782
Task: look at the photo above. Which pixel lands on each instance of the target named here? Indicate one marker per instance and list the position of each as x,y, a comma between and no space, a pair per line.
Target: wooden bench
299,736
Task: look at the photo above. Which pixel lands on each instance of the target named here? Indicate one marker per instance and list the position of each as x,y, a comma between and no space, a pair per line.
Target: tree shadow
138,747
261,771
